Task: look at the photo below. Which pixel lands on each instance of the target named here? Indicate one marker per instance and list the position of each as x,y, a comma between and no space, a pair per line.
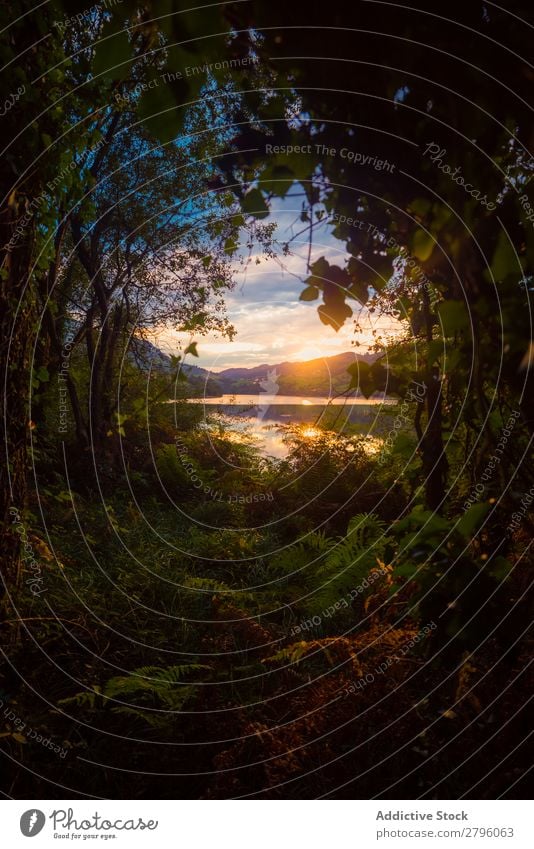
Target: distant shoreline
249,400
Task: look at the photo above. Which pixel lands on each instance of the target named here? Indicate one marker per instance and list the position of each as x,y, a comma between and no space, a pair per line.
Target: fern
203,590
207,586
85,699
155,684
348,562
305,553
291,654
357,551
163,685
171,470
333,649
155,720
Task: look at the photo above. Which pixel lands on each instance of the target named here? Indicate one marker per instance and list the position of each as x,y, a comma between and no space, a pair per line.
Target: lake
262,399
262,416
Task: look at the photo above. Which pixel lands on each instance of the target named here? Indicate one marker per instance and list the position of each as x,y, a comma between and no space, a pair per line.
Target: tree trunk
18,323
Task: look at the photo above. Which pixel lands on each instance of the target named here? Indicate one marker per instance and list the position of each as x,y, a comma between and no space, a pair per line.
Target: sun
310,352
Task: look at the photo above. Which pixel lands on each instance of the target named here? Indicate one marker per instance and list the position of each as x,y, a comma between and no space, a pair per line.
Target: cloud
272,324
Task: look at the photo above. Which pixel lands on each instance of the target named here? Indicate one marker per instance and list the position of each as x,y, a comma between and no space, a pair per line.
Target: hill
318,377
321,376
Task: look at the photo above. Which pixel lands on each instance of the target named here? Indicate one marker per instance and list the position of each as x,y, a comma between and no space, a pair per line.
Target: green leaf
504,260
359,291
42,374
403,445
423,245
158,109
254,204
230,246
112,55
320,268
453,316
420,206
452,360
277,180
334,314
382,272
406,570
191,349
500,568
310,293
436,350
471,519
362,378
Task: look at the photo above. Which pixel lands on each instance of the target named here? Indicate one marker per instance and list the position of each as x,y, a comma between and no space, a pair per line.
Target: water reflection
245,419
272,436
310,432
288,400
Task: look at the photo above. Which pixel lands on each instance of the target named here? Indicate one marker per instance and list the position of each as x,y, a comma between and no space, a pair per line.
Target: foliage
131,192
153,685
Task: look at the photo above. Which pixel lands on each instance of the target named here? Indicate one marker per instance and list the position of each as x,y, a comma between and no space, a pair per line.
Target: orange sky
273,325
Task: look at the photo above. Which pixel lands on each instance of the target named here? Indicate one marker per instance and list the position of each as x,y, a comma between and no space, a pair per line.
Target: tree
416,162
75,60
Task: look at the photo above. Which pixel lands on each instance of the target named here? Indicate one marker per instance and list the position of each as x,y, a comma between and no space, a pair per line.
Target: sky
272,324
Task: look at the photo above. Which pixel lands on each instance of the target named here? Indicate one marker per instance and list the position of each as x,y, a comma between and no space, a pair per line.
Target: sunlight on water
373,445
264,399
310,432
270,436
241,419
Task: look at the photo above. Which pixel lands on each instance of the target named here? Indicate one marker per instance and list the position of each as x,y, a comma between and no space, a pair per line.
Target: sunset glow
310,432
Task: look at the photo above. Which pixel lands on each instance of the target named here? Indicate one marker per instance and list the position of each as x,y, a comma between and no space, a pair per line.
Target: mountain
322,376
148,356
